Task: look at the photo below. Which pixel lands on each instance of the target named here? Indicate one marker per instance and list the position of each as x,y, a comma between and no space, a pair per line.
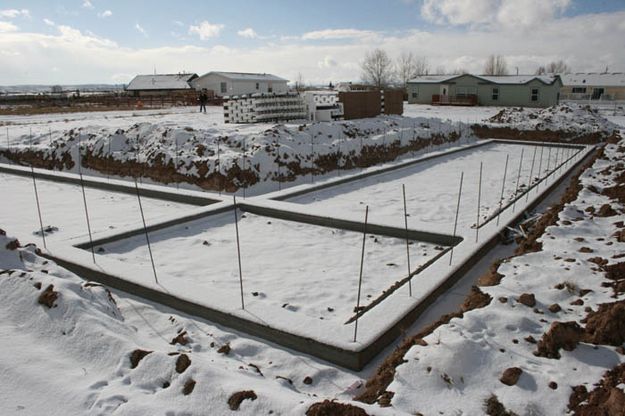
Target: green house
503,90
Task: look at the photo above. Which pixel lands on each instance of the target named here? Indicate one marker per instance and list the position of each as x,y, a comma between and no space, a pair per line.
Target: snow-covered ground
75,357
62,209
460,364
202,147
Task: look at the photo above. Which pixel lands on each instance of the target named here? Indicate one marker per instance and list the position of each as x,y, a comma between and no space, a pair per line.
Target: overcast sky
110,41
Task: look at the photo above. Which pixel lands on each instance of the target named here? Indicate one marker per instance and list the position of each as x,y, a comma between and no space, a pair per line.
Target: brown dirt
48,297
492,277
616,192
235,400
331,408
182,363
604,400
565,335
13,245
606,211
136,356
188,387
527,299
606,326
181,339
493,407
509,133
224,349
511,375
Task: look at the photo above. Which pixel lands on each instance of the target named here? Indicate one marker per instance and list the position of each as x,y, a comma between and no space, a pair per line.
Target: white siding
236,87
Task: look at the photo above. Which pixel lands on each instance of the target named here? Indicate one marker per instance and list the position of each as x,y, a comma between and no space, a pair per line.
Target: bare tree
440,70
495,65
555,67
458,71
377,68
409,66
299,82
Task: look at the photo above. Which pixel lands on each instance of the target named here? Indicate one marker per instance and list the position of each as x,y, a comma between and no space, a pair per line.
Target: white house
239,83
160,84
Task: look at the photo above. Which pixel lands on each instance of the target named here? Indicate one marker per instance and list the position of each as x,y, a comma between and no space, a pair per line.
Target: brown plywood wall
360,104
393,102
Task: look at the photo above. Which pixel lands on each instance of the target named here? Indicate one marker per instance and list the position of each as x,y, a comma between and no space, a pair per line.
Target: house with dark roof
160,84
594,86
503,90
240,83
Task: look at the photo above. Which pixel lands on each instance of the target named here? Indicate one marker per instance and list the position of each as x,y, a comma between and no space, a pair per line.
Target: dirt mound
607,325
235,400
565,335
330,408
605,211
48,297
182,363
13,245
616,192
605,400
491,277
511,375
527,299
493,407
136,356
189,385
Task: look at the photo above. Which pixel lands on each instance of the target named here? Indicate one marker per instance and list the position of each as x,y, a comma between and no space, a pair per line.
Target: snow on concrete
432,187
288,267
63,212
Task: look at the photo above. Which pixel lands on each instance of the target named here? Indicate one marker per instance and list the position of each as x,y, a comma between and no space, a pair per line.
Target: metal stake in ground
503,186
548,162
451,253
312,156
540,166
338,155
221,183
403,188
84,200
518,178
243,172
555,167
362,263
479,202
236,227
32,171
529,180
145,230
279,160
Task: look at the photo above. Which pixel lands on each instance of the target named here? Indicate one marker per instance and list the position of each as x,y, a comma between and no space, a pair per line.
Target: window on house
415,95
534,94
579,90
270,88
257,86
224,87
495,94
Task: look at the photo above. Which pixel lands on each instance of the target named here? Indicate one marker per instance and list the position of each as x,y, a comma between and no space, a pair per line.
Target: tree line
380,70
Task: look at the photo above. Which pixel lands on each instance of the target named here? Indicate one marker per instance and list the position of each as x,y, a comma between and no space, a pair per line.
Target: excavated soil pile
606,399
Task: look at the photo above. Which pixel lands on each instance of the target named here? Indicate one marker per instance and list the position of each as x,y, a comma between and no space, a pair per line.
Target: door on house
597,93
444,93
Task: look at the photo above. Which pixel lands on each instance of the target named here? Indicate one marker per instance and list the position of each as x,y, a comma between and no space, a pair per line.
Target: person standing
203,100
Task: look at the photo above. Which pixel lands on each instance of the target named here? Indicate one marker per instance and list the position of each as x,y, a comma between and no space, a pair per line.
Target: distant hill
39,88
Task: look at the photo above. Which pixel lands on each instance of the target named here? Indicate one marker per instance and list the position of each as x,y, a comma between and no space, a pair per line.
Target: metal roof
614,79
161,82
244,76
495,79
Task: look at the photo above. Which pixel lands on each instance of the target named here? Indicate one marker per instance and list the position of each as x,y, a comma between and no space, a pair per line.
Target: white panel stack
263,108
323,105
